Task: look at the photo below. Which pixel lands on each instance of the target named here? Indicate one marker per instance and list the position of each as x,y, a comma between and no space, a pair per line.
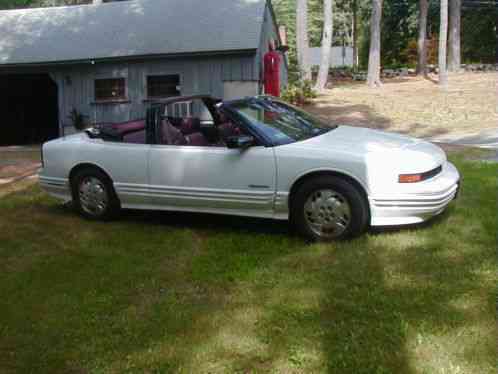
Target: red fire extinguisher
271,62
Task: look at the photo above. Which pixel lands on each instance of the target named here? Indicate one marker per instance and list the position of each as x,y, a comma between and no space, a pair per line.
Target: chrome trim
56,187
418,200
230,199
281,203
55,182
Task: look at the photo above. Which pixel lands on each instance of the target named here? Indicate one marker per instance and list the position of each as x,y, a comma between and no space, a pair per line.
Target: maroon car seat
170,135
137,137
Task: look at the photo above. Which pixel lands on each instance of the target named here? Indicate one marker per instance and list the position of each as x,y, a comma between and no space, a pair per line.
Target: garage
29,107
112,71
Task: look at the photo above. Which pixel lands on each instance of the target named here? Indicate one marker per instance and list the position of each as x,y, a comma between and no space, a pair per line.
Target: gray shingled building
109,61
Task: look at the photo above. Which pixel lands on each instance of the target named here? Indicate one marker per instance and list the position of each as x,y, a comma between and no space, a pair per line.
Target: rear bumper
56,187
430,199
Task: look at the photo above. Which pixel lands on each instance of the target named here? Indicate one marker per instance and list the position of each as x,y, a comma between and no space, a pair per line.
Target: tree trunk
302,39
422,37
443,36
454,54
323,73
373,78
496,32
355,34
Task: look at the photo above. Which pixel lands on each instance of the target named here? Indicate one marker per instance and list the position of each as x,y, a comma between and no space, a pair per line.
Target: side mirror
240,142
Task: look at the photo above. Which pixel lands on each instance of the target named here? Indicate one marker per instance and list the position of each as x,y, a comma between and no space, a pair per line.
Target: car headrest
222,116
190,125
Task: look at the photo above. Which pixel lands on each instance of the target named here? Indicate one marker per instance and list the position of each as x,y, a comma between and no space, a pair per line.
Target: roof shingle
129,28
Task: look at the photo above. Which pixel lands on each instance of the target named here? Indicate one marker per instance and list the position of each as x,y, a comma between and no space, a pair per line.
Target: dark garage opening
29,109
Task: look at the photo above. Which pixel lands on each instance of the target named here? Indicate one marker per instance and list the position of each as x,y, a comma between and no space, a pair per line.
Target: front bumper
429,199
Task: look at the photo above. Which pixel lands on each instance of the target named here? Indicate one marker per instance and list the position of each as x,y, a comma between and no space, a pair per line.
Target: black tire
357,207
112,206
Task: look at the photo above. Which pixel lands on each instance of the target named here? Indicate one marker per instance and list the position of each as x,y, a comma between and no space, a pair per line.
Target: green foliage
15,4
479,41
299,93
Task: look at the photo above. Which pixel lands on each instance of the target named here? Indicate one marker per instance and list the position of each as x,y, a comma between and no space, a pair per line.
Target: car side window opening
183,123
192,124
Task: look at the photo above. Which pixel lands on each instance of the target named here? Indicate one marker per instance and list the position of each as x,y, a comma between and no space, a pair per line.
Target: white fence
340,56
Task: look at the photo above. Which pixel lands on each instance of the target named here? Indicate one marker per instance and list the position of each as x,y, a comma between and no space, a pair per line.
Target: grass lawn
167,292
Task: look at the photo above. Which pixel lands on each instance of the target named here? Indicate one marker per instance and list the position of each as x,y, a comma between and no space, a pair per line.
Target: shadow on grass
208,222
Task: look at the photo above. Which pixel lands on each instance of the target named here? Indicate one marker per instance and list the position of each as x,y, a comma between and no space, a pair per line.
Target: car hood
376,146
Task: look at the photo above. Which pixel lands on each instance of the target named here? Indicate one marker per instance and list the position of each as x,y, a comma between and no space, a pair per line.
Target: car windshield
281,123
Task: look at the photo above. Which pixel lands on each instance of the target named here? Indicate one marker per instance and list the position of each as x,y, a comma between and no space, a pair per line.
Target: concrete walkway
487,139
18,163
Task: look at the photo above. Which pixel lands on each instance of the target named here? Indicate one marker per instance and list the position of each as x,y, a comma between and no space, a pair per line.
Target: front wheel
94,196
327,208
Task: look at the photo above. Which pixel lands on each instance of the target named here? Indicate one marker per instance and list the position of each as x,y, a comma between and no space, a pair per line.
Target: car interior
195,128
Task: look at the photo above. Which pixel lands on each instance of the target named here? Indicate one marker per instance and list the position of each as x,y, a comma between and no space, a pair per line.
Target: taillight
41,157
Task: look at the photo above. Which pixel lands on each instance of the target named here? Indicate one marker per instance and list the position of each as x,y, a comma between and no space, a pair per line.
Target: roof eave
94,61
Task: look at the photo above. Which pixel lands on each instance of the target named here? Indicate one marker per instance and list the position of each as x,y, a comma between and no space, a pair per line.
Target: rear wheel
327,208
94,196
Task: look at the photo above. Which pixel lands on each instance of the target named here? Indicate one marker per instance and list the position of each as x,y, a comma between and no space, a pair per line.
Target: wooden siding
197,75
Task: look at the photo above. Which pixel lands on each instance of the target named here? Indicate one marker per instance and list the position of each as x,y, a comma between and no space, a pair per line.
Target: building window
110,89
159,86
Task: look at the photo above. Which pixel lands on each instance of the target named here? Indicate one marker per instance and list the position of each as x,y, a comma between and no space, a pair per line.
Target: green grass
167,292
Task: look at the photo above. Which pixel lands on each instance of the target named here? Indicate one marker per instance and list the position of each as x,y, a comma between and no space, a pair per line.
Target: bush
299,93
78,120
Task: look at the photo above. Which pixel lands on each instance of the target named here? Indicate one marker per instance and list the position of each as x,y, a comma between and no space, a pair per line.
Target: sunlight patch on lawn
232,336
445,354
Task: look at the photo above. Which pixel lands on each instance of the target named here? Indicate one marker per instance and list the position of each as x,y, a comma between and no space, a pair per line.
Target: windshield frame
230,106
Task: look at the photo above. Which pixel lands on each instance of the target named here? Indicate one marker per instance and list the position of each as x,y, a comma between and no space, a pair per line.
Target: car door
214,179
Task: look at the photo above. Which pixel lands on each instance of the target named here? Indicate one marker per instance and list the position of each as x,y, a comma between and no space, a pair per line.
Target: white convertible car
255,157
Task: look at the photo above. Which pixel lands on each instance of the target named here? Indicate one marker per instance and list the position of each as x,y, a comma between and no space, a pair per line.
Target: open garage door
29,109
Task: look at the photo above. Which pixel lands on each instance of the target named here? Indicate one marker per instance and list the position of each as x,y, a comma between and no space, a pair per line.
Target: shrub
78,120
299,93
